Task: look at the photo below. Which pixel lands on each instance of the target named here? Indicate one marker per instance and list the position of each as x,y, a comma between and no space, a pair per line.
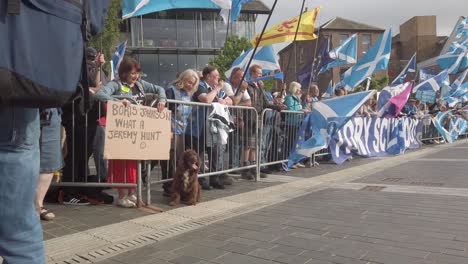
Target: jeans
98,153
20,230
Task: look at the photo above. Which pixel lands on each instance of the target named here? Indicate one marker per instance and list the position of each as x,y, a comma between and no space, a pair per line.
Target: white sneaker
132,198
300,165
125,203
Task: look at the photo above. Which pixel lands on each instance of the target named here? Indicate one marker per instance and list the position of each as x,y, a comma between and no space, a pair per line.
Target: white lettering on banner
358,127
383,140
375,142
367,124
349,139
339,143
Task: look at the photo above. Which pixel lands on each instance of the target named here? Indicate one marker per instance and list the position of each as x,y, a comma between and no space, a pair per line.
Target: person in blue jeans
50,157
20,230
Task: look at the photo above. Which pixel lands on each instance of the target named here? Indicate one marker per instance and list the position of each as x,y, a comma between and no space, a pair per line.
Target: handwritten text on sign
137,132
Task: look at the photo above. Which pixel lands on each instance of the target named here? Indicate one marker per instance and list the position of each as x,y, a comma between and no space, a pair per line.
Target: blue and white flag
131,8
236,8
311,70
375,59
117,58
410,67
345,54
321,124
330,90
433,83
459,90
457,126
265,57
425,74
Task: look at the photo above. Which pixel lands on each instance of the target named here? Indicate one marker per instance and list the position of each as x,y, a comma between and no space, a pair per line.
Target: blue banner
374,137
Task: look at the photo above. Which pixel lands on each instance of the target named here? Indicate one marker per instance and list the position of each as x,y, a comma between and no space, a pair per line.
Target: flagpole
313,61
294,42
228,24
256,46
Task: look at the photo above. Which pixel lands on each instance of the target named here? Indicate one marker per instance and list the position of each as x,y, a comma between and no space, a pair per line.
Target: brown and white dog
185,184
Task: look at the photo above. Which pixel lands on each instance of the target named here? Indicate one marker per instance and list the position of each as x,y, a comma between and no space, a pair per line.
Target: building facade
417,35
171,41
296,55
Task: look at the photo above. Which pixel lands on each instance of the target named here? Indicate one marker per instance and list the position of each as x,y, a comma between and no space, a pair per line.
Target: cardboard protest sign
137,132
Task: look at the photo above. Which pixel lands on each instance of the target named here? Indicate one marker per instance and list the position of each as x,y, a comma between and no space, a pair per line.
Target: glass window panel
343,37
187,61
202,61
206,30
220,31
365,42
167,68
149,67
186,29
159,29
136,31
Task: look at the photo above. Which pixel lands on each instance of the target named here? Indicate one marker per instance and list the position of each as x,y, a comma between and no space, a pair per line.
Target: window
187,61
365,42
202,61
343,38
206,30
219,32
159,29
186,29
167,68
135,25
149,67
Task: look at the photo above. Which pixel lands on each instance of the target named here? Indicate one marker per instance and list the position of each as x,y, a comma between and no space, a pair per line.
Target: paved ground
422,220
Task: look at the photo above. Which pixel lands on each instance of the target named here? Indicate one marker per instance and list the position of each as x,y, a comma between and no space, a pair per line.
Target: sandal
46,215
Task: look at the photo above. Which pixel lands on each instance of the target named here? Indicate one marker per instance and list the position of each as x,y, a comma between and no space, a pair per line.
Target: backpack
42,44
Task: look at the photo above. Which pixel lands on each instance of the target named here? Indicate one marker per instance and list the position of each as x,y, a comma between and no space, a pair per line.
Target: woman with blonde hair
180,90
293,120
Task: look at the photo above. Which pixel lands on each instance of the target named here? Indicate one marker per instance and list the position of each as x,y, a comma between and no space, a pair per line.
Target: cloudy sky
380,13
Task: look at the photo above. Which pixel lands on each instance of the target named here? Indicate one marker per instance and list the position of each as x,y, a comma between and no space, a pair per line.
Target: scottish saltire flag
375,59
326,118
117,58
330,90
433,83
410,67
456,59
397,145
236,8
425,74
278,76
459,87
393,99
345,54
311,70
131,8
265,57
438,122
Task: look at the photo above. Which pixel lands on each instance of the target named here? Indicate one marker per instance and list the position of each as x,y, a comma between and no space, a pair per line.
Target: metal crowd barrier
271,133
278,132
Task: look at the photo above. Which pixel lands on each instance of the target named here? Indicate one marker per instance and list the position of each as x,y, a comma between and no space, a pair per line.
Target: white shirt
227,88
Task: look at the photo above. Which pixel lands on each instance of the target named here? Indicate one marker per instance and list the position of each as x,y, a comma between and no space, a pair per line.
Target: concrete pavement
393,210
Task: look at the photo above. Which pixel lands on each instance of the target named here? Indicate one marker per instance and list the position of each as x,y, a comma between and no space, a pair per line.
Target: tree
107,40
378,84
227,54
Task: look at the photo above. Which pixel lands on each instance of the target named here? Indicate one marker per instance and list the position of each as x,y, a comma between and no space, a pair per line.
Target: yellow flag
286,30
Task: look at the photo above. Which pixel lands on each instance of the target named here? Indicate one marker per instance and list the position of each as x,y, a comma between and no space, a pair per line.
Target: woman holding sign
130,86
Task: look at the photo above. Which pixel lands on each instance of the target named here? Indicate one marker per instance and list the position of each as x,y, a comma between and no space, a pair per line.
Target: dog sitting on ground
185,184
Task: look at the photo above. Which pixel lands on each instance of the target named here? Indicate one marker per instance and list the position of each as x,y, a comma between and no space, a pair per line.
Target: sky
380,13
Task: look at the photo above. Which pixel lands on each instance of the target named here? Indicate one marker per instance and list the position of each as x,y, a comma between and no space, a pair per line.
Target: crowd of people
189,126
